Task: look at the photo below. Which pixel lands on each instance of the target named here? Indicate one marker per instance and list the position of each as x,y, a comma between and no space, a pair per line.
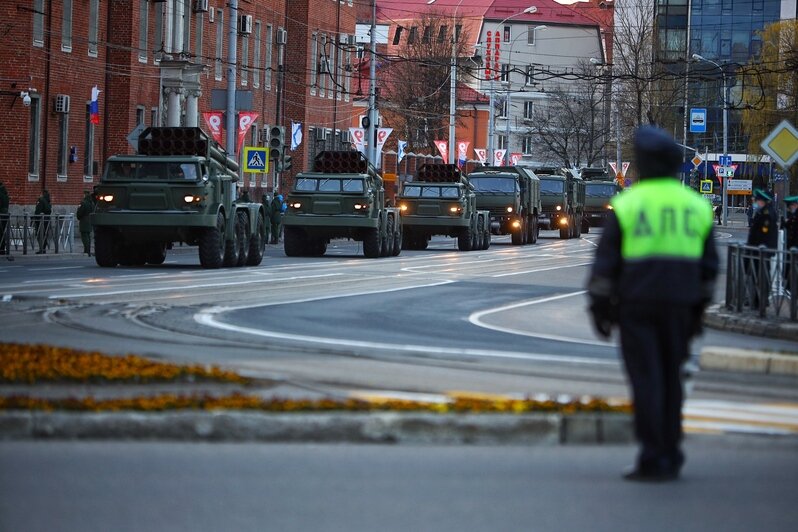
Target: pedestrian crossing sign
706,186
256,159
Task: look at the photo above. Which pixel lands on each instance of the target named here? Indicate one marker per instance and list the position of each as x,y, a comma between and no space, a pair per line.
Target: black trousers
655,340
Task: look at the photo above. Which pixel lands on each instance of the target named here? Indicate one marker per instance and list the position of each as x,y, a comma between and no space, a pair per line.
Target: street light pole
509,85
724,200
371,133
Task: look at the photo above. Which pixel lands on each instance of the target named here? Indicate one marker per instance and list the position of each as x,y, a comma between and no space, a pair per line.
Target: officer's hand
602,311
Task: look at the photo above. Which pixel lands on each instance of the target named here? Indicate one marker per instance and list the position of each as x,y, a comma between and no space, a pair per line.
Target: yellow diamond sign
782,144
697,161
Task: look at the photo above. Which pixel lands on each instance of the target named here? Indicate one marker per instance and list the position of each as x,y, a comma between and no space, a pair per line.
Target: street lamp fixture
724,199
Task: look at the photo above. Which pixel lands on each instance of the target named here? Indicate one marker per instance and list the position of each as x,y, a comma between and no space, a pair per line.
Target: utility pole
372,121
232,127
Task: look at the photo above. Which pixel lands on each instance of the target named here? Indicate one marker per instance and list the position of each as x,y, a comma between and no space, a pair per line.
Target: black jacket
764,228
791,228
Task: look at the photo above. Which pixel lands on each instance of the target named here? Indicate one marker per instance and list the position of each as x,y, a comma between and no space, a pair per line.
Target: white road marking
55,268
558,267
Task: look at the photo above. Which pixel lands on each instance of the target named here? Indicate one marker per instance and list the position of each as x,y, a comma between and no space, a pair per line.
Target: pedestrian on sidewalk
41,222
5,248
83,214
653,277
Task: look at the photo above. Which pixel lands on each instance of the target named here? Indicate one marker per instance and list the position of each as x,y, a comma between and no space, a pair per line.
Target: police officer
276,217
764,226
41,223
267,215
653,276
83,214
790,223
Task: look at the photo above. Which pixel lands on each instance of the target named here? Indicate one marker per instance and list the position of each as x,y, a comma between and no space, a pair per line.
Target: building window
347,75
323,65
505,74
397,35
34,137
158,38
144,18
244,59
94,22
63,148
267,67
88,153
219,65
199,21
38,23
256,56
503,110
442,34
457,29
427,31
154,117
529,77
332,70
501,143
340,68
411,38
186,21
66,27
529,109
139,114
530,35
526,145
506,37
314,62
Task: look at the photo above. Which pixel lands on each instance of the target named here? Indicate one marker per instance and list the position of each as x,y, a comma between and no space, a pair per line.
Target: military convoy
563,198
342,197
599,190
180,187
441,201
511,194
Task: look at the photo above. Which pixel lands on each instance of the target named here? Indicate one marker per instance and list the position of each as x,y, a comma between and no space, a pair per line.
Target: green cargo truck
440,201
180,187
599,190
342,197
563,199
512,196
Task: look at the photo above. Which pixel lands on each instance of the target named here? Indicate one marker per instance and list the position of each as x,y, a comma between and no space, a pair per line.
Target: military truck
341,197
180,187
440,201
512,196
563,199
599,190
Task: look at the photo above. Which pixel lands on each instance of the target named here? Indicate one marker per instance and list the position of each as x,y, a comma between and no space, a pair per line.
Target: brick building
56,51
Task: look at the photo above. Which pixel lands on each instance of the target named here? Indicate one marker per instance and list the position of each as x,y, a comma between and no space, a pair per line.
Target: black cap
656,153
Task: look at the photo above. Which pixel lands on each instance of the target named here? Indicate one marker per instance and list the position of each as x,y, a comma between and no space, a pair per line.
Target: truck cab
599,190
563,199
511,194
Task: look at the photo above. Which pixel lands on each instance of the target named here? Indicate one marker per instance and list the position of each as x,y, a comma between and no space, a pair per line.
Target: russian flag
94,108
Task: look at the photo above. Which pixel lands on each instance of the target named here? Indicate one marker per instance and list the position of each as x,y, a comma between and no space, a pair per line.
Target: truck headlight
107,198
610,207
558,207
361,206
563,221
455,209
296,205
191,198
509,209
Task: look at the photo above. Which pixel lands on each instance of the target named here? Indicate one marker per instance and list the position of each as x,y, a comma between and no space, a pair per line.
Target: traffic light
276,142
285,164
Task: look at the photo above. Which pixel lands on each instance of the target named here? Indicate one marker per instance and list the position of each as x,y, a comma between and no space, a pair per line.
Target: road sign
724,160
697,160
706,186
698,120
782,144
256,159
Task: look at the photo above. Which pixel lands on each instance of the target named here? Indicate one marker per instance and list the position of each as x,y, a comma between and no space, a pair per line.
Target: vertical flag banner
482,154
382,135
498,157
462,152
94,106
515,158
400,153
358,135
296,135
624,168
245,121
214,121
614,167
443,147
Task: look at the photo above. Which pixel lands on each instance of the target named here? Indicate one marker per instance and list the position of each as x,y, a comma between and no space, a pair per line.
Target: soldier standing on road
83,215
276,216
653,276
267,216
764,231
5,248
41,222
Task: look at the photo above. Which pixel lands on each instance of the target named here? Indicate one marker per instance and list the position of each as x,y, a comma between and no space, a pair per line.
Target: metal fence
762,281
36,233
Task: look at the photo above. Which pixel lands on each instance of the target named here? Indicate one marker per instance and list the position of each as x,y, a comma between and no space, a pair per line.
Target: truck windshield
152,171
600,191
330,184
506,185
551,186
426,191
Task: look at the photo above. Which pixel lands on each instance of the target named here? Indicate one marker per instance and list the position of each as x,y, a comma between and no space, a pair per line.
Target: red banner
443,147
214,121
245,121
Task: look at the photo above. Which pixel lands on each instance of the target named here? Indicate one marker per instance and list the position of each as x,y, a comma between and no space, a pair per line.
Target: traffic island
721,318
210,411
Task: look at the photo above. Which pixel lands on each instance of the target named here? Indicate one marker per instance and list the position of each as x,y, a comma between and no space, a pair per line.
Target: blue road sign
698,120
256,159
724,160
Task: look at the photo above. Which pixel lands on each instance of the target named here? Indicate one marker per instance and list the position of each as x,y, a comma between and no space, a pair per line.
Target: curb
748,361
718,317
381,427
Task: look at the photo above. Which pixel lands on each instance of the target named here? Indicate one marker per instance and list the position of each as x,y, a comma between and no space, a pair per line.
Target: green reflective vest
661,218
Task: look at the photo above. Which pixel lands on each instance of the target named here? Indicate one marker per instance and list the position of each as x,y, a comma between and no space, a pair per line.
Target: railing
36,233
762,281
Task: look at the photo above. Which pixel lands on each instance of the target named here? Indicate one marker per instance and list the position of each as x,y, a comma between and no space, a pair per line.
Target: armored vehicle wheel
422,243
565,232
243,243
408,241
486,239
517,237
317,248
387,249
372,243
133,255
257,243
480,233
398,242
532,230
585,226
155,252
104,248
577,227
211,245
464,239
233,246
292,242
